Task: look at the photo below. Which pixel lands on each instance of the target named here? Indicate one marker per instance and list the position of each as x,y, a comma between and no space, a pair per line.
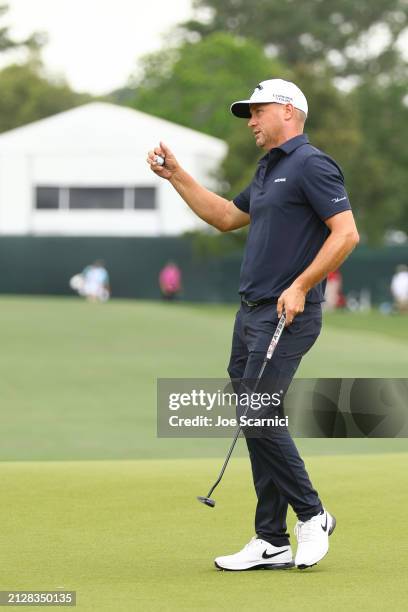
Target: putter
275,339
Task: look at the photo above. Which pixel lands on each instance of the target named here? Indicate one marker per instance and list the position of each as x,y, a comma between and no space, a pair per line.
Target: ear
289,112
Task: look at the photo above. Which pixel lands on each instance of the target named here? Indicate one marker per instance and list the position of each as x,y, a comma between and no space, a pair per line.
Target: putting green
129,535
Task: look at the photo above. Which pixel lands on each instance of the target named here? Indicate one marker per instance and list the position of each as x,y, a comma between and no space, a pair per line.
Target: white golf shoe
257,554
313,539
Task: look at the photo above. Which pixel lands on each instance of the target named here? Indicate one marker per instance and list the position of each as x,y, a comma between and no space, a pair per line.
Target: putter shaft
271,348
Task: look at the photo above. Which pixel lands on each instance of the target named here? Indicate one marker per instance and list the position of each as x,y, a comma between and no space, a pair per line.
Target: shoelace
250,543
306,532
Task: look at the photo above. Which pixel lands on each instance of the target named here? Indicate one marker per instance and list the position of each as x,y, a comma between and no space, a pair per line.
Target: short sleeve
323,186
242,200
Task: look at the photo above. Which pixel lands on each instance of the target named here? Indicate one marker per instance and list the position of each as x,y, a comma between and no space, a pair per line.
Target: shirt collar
287,147
293,143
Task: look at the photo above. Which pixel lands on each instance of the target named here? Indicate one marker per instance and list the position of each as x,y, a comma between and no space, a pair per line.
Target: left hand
292,301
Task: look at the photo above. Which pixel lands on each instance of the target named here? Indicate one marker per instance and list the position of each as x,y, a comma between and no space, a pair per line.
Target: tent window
96,198
47,198
93,197
145,198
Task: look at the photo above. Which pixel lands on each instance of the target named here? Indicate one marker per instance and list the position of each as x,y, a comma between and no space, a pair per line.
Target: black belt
259,302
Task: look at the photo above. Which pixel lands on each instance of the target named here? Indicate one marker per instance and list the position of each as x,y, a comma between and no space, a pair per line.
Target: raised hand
170,166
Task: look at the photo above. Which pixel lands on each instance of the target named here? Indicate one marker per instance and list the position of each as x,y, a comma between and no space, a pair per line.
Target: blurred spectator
170,281
92,283
334,295
399,288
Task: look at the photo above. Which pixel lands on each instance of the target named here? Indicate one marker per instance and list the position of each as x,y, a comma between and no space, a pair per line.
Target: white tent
84,172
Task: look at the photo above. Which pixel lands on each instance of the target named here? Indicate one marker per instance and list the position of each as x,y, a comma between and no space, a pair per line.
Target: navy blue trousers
279,473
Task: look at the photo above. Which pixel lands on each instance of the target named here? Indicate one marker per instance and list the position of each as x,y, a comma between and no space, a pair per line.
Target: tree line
348,57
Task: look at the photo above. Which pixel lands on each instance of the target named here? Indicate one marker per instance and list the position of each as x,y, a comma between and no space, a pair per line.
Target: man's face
267,123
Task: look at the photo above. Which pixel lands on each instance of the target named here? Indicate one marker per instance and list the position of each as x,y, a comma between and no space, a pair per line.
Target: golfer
300,228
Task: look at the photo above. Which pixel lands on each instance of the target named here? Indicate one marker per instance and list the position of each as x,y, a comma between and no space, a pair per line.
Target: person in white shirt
92,283
399,288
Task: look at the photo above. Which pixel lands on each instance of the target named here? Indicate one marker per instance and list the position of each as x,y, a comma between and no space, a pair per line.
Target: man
93,282
301,228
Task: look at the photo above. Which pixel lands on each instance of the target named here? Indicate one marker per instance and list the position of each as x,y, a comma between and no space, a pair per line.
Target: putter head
207,501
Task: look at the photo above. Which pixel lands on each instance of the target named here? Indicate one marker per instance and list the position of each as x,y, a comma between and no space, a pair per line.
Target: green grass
394,326
79,380
129,535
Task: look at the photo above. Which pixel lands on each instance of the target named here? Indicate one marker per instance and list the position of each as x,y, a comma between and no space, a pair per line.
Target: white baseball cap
273,90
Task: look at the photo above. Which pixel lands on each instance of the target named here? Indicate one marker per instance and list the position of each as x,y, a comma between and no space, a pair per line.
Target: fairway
79,379
94,502
129,535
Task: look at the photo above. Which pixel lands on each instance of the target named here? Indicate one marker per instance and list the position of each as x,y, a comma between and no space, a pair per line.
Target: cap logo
283,99
259,86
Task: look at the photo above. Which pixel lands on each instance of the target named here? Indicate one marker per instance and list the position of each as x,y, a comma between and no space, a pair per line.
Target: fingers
279,306
152,155
289,318
170,167
292,302
290,313
157,168
283,308
165,150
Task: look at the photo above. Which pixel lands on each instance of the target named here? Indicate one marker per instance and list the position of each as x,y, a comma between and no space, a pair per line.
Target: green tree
32,43
27,93
196,83
363,128
26,96
338,32
379,180
366,131
333,125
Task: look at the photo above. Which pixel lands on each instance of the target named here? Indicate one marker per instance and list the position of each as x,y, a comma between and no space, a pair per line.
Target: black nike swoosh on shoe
266,556
324,527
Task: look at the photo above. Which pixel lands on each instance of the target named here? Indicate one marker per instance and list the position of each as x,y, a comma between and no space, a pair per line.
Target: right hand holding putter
162,161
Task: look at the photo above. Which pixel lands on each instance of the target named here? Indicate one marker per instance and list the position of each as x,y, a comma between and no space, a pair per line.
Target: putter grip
276,336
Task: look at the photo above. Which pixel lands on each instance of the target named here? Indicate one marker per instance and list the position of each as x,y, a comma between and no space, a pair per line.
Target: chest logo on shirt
280,180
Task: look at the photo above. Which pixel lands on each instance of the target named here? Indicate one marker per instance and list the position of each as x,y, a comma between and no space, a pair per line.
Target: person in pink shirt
170,281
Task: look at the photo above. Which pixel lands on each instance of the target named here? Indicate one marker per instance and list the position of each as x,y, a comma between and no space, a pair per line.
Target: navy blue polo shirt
295,188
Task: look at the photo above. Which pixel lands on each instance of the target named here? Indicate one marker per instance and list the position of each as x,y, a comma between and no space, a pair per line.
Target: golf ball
159,160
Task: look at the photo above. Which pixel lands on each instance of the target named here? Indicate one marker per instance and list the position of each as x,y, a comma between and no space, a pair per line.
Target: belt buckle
250,304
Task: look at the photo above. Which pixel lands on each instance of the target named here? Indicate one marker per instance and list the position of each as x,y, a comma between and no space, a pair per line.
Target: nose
251,121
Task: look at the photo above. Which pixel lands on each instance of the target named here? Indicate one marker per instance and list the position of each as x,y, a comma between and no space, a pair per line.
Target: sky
96,43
